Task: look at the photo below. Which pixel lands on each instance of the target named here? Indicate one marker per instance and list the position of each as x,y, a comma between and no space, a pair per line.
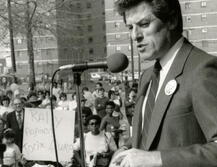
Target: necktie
150,102
19,120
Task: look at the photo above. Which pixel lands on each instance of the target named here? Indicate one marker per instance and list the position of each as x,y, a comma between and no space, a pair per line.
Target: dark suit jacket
13,124
183,126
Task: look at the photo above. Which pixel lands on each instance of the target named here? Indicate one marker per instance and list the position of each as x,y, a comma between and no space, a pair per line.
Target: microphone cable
52,118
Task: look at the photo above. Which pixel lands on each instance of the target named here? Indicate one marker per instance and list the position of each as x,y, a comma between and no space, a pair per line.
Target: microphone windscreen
117,62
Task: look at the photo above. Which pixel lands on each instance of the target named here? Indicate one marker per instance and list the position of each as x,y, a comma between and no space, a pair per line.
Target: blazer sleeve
204,102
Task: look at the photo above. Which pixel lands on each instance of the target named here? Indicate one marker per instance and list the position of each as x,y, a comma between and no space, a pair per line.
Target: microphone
116,62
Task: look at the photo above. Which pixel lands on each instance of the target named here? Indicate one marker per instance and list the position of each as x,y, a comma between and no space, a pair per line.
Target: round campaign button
170,87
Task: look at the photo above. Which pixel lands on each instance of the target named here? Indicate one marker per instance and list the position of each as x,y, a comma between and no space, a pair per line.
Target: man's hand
137,158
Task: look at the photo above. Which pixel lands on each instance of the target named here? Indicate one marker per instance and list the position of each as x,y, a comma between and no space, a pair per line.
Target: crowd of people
106,119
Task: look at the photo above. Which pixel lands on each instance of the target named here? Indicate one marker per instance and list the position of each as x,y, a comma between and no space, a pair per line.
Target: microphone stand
77,82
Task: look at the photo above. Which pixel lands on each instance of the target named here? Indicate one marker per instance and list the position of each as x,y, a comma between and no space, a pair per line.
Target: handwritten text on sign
38,139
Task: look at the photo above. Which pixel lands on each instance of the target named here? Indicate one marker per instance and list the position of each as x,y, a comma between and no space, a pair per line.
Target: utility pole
10,21
132,60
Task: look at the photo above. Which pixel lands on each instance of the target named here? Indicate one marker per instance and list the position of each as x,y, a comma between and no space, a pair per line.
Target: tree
29,17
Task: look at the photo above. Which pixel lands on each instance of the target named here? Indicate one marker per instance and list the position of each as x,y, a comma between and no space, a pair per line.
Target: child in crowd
109,122
115,123
12,155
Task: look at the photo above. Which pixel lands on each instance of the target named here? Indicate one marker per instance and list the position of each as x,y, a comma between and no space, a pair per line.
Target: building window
90,39
89,16
117,25
91,51
117,36
88,5
19,41
187,5
203,4
79,16
204,30
79,29
203,17
118,48
90,28
188,19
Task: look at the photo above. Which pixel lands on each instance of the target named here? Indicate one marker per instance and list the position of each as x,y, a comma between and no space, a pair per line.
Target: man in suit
175,120
15,121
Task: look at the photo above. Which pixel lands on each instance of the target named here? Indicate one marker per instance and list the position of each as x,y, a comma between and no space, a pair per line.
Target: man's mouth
142,47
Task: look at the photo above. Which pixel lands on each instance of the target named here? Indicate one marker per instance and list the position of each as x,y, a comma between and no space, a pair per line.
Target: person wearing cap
175,118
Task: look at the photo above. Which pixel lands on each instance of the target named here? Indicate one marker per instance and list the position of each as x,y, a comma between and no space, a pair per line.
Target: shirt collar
18,113
170,56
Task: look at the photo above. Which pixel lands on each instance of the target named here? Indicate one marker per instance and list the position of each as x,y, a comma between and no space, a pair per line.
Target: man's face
94,127
101,93
152,36
109,109
98,86
18,105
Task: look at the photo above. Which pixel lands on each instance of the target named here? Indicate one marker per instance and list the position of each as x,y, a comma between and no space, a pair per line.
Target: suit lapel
15,119
137,118
163,99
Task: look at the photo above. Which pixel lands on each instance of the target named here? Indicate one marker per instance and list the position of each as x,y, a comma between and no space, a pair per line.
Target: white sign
38,139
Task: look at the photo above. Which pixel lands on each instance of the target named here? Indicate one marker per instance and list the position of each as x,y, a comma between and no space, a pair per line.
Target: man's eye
146,24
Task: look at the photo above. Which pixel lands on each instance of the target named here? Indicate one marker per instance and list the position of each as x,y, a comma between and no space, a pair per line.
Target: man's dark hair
99,83
86,111
9,133
62,95
110,93
165,10
31,94
85,89
101,89
9,92
110,103
95,117
5,98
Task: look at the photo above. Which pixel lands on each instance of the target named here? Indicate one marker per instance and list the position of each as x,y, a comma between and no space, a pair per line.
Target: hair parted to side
165,10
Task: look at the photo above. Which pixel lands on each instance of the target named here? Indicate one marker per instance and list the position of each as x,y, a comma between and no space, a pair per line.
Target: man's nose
137,34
